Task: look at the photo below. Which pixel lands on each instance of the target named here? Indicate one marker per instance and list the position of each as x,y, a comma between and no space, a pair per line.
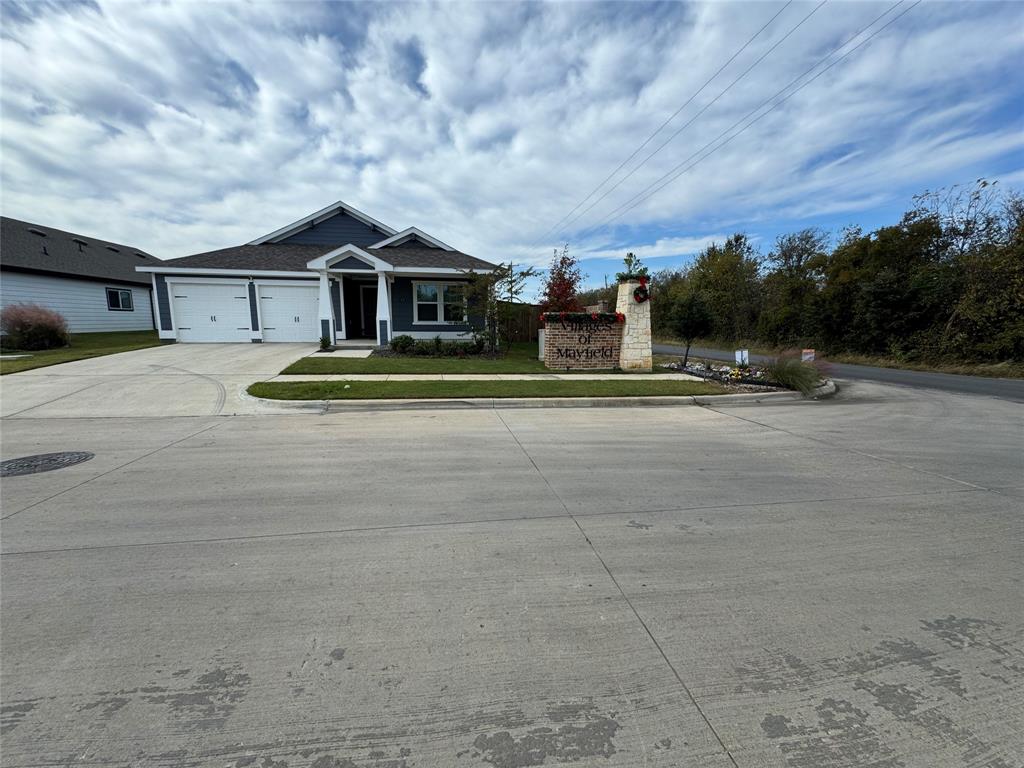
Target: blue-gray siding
340,229
401,308
351,262
163,303
254,314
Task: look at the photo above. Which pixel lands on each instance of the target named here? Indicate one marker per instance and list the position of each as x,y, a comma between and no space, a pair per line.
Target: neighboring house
92,283
336,273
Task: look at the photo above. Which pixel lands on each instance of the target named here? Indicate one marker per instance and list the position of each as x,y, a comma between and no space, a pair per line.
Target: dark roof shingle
293,258
20,248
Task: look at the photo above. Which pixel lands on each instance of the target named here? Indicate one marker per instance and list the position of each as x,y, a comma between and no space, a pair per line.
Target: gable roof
314,218
410,235
38,248
287,257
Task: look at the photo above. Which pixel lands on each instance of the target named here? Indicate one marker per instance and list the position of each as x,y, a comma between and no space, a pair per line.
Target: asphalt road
832,583
1007,389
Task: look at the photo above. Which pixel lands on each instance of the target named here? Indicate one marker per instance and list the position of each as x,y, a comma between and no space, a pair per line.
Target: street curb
487,403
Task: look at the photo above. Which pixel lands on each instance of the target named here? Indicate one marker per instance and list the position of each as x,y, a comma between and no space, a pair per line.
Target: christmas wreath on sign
641,294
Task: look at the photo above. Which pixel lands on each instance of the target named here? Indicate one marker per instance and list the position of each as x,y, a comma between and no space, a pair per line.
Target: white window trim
439,304
119,291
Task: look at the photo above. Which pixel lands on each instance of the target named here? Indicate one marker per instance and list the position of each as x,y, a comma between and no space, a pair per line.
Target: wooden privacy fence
521,320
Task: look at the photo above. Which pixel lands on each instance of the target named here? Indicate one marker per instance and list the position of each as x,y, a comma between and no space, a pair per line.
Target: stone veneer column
635,354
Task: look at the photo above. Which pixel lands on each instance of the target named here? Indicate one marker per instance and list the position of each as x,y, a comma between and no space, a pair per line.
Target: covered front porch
355,306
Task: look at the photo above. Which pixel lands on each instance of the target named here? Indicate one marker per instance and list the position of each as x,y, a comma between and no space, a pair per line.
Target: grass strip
521,358
426,390
83,346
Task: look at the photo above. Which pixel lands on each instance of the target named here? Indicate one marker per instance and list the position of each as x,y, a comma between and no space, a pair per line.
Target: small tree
634,269
490,297
691,319
562,284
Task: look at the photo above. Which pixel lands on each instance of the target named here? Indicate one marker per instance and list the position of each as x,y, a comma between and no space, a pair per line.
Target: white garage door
211,311
290,312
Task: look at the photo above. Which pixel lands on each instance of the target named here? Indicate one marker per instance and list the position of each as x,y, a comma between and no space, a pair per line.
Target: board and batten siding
82,302
340,229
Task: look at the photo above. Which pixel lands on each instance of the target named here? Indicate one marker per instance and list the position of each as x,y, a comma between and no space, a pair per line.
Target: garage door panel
290,312
211,312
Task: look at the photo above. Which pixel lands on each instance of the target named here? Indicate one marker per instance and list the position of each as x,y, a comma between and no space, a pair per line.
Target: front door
368,311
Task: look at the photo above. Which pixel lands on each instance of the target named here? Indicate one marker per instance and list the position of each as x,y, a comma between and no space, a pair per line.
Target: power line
671,117
675,172
704,109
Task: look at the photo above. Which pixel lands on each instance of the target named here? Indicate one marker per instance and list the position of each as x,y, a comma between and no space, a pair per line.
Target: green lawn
421,390
521,358
83,345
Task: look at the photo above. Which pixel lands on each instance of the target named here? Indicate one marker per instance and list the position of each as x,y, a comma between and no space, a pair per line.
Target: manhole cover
44,462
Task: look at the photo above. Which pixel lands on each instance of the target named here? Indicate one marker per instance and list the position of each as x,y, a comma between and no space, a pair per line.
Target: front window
426,303
119,300
439,303
454,304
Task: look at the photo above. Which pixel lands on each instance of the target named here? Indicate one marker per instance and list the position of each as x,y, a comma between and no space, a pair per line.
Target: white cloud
181,127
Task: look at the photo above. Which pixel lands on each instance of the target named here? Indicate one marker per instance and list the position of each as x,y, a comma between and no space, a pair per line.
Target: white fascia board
316,218
225,272
324,262
412,271
405,234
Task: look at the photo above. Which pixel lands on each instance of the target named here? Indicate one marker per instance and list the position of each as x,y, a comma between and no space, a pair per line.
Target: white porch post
343,330
383,310
326,311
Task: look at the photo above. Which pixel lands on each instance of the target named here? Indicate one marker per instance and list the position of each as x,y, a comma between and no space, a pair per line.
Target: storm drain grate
43,462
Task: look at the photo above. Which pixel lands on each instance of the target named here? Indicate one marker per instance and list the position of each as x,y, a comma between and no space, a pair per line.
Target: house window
439,303
119,300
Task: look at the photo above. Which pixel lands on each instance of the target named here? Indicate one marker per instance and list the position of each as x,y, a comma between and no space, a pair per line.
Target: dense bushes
946,282
435,347
32,327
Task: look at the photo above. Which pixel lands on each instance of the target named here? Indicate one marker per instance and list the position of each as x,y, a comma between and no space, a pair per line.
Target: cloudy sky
181,127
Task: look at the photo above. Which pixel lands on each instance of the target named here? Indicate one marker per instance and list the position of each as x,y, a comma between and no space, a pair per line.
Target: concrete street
796,585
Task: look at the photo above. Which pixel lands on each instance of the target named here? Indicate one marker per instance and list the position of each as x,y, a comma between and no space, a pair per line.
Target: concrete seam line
54,400
854,451
114,469
491,521
622,592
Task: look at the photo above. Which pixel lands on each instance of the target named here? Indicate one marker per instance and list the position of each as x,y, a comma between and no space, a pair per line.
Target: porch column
383,310
325,310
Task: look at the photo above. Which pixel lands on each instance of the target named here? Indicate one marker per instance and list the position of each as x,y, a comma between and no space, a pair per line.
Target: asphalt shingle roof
293,258
22,249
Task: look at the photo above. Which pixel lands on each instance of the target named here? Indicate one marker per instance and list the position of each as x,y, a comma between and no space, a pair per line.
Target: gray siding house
336,273
91,282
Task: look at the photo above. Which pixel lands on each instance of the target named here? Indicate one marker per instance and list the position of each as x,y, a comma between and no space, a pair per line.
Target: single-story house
91,282
336,273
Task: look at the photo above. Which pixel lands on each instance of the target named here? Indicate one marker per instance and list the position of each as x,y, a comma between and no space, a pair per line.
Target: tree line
945,282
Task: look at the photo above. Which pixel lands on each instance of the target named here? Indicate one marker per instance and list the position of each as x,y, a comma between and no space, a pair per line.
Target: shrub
402,343
792,373
325,342
32,327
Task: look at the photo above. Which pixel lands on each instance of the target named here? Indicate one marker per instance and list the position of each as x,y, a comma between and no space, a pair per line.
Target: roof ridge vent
35,231
112,248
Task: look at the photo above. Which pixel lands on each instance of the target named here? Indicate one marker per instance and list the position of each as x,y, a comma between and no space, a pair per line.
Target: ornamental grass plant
791,372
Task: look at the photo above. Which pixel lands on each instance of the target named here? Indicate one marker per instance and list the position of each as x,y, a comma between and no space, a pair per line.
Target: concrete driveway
807,585
172,380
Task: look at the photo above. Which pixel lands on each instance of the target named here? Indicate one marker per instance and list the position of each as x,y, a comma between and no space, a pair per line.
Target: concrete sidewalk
485,377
